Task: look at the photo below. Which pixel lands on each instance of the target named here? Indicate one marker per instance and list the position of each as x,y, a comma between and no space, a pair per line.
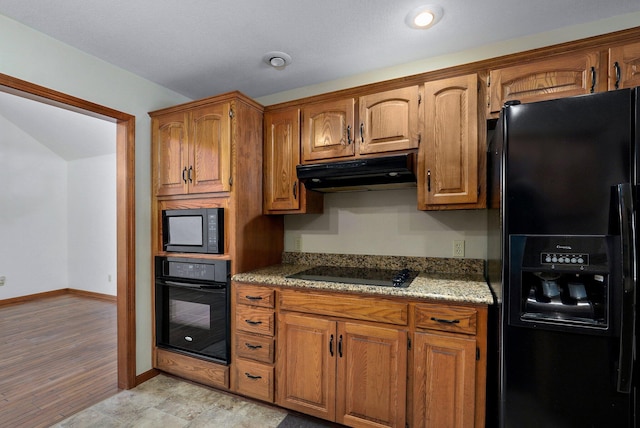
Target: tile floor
169,402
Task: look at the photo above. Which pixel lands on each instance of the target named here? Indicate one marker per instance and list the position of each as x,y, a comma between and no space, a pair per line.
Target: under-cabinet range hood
378,173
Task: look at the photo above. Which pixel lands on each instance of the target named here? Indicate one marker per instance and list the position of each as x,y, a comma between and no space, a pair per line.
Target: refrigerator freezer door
562,159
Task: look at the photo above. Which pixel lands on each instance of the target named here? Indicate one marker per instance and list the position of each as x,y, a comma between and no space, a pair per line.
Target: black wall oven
192,306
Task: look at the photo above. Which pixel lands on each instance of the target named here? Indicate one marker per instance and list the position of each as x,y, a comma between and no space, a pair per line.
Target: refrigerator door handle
627,306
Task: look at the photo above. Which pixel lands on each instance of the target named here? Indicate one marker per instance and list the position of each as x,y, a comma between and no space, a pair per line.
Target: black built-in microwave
193,230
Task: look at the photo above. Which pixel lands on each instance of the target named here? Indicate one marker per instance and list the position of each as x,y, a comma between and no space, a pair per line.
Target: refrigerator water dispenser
560,282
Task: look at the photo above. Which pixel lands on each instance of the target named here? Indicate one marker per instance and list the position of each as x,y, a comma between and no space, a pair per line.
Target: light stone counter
467,286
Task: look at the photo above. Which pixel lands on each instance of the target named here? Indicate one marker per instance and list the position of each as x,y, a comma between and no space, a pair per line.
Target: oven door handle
192,285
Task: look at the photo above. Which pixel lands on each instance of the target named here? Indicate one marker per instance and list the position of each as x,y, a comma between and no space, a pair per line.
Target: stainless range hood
378,173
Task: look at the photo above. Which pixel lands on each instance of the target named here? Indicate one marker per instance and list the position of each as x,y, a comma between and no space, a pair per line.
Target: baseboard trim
54,293
93,295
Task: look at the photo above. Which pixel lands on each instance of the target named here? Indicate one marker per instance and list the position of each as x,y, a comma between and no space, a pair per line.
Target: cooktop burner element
354,275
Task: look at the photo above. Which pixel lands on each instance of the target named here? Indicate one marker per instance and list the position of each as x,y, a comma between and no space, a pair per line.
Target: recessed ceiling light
277,59
424,17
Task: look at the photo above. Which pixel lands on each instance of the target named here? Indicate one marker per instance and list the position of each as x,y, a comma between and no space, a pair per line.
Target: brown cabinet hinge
477,354
419,99
409,344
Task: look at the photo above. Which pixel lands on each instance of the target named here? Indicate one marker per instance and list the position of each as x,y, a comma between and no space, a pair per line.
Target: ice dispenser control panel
564,259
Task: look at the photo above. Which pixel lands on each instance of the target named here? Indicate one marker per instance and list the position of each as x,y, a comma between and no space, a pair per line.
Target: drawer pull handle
250,346
442,320
253,322
250,376
253,297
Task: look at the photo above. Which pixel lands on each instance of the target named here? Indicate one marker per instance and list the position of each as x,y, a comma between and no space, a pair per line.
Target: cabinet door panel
444,381
282,154
624,66
372,375
327,130
211,149
305,365
448,164
563,76
170,139
389,121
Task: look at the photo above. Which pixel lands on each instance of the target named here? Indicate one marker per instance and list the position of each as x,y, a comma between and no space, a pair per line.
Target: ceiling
200,48
68,134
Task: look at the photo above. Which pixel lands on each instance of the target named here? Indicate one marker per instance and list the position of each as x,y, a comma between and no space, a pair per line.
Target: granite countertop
457,285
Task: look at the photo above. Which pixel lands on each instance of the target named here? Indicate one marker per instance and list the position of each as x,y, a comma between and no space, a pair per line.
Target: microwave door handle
627,303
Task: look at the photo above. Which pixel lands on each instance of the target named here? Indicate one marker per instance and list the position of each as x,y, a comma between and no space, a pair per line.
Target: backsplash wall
385,223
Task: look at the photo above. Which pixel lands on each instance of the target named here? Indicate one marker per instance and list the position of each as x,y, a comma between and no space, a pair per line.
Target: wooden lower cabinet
444,370
253,345
348,372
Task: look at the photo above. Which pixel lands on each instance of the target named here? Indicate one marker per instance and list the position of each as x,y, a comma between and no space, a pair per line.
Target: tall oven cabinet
209,154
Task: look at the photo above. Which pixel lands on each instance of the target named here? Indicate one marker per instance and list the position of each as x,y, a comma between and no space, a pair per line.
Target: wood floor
57,356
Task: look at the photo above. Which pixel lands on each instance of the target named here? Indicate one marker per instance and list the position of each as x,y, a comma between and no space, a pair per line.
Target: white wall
33,215
385,223
92,224
32,56
58,218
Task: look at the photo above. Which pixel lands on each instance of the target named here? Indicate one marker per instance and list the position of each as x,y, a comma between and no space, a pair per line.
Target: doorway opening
125,210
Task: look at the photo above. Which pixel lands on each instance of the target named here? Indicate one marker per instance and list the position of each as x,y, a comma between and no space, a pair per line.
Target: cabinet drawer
455,319
254,380
259,348
254,296
255,320
345,306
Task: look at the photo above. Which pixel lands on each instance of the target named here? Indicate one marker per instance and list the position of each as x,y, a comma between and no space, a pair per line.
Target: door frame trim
125,210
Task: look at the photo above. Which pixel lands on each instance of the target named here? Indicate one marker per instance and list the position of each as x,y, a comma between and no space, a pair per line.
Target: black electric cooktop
356,275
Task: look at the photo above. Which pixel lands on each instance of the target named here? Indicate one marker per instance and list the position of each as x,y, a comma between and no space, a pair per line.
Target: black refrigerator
562,262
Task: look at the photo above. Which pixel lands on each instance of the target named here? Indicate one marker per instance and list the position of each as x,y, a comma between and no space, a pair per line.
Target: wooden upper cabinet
448,162
283,193
170,153
624,66
389,121
192,151
561,76
328,130
281,155
210,149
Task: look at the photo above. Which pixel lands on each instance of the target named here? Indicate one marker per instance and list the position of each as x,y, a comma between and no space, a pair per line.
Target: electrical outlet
458,248
2,280
297,244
